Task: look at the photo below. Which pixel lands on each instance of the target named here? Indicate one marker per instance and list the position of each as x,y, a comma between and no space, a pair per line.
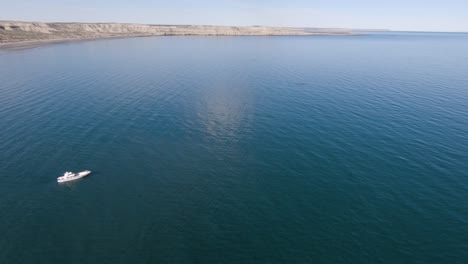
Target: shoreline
31,44
18,35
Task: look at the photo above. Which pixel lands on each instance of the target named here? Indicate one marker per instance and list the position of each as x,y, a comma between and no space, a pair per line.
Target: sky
412,15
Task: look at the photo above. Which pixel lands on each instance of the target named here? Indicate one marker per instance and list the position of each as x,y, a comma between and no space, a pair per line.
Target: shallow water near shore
236,150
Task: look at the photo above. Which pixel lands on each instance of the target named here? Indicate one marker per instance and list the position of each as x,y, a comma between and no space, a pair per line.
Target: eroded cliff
13,31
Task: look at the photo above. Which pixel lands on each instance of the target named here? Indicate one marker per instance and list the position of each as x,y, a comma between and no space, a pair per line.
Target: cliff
16,32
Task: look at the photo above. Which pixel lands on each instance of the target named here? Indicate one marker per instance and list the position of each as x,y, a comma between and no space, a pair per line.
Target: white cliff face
11,31
25,26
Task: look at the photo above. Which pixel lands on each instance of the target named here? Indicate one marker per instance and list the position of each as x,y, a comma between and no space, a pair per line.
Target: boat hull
74,177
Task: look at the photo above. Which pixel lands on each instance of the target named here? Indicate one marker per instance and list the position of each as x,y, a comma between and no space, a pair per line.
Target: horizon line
311,27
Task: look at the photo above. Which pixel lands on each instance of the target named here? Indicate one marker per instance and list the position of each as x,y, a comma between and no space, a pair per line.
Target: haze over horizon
418,15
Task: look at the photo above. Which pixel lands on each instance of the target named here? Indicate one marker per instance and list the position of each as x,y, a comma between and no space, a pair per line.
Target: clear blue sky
426,15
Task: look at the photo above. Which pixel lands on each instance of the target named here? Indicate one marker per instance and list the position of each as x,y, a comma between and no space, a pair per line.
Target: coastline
18,35
30,44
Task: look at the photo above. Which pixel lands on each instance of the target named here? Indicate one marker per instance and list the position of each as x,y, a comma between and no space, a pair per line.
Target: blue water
237,150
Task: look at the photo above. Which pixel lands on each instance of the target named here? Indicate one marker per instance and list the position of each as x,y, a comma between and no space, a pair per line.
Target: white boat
70,176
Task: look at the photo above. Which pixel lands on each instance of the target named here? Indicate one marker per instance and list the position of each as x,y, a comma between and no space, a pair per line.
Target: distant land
20,35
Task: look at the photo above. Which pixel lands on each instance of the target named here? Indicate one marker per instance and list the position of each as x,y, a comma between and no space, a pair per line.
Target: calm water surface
236,150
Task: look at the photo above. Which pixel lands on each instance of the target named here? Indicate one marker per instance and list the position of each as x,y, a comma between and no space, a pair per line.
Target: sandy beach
39,43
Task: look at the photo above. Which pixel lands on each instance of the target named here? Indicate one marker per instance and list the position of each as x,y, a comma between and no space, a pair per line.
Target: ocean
300,149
